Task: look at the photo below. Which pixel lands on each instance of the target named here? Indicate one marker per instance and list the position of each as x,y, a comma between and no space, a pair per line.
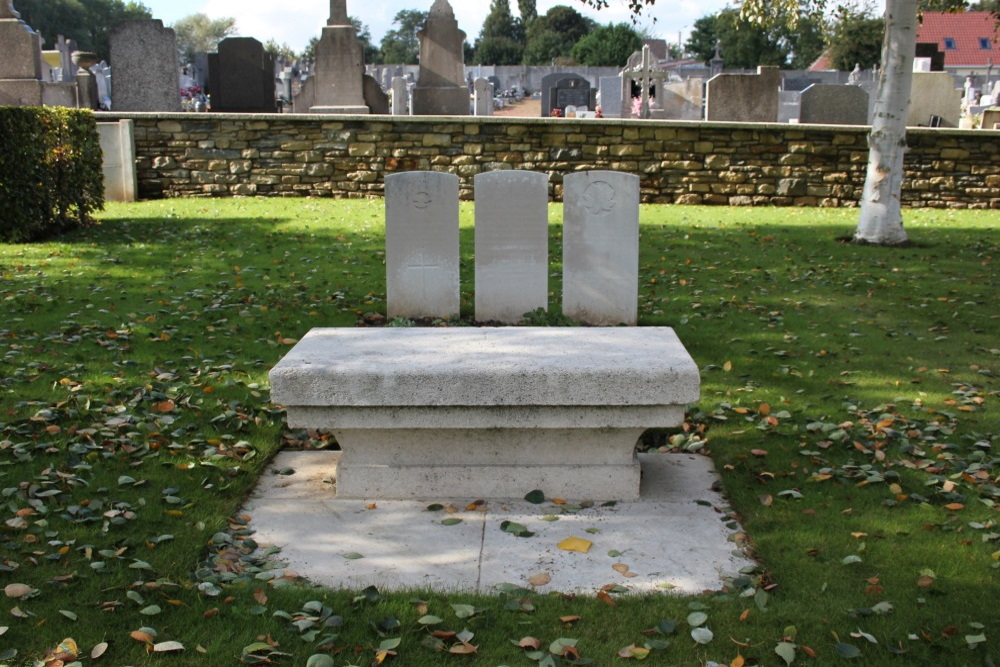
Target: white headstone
483,104
400,96
512,250
601,247
421,244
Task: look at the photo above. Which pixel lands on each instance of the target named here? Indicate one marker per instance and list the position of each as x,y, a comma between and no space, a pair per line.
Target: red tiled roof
959,36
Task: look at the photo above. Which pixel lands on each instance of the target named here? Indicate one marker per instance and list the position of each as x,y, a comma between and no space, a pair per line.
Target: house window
949,44
984,43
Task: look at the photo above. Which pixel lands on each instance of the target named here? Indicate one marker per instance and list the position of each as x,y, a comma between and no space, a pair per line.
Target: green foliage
197,33
856,38
553,36
701,42
498,51
942,5
372,54
501,40
528,10
89,22
400,45
609,45
50,171
782,39
279,50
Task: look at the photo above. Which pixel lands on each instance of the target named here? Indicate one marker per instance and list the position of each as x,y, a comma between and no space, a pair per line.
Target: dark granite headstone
241,77
562,89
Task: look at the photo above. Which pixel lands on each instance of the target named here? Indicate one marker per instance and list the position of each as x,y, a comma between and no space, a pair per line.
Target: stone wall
678,162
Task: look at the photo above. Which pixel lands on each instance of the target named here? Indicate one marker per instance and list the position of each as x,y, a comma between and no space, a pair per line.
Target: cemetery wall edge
686,162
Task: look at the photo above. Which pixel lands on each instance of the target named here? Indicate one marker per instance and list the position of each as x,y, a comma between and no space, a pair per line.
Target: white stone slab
512,255
502,366
118,147
421,245
601,247
671,542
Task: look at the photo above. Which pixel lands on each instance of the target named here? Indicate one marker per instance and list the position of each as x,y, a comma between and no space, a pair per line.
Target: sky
294,22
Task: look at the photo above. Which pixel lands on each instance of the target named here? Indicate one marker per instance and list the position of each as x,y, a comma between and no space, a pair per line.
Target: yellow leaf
620,567
728,366
738,661
577,544
764,409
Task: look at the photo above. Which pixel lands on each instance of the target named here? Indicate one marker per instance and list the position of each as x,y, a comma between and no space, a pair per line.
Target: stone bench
487,412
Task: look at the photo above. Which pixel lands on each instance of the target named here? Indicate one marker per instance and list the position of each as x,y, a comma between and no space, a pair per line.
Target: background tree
855,37
279,51
197,33
400,45
373,54
942,5
89,22
501,40
609,45
552,36
701,42
528,10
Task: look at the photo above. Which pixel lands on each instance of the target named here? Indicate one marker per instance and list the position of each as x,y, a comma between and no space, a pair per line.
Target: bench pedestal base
488,463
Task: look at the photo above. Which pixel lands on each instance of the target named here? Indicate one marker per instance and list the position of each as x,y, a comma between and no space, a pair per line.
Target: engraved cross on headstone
421,266
338,13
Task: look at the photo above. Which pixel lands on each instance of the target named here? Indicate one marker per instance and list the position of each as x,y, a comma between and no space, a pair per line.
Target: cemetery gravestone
743,98
934,96
336,84
991,118
144,62
241,77
681,100
421,245
441,89
572,91
601,247
611,96
833,105
483,97
576,92
400,96
512,255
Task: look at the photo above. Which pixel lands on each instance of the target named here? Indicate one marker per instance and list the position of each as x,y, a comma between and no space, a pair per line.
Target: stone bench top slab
505,366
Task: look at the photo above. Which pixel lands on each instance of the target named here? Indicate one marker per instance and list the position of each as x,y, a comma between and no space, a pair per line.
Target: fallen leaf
577,544
17,590
168,647
604,597
540,579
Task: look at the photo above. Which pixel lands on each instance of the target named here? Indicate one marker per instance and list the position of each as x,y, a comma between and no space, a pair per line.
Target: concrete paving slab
674,539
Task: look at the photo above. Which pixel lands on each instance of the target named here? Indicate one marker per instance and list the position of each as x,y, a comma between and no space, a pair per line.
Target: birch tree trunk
881,219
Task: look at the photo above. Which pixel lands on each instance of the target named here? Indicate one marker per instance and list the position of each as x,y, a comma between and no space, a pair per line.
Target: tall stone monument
337,84
20,60
441,89
144,61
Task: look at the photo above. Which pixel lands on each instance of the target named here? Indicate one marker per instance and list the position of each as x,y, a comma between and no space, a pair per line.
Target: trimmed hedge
51,176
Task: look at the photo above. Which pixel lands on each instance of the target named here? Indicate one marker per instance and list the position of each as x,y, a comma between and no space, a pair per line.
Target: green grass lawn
850,400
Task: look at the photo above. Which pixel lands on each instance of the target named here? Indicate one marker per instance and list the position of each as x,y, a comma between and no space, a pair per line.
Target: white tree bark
881,219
